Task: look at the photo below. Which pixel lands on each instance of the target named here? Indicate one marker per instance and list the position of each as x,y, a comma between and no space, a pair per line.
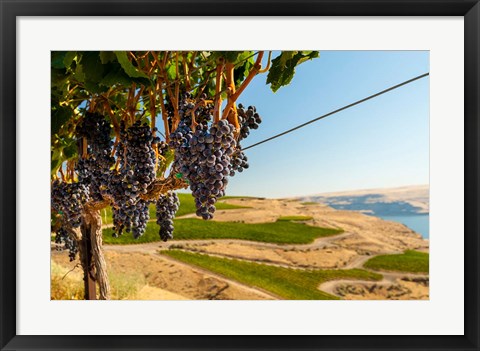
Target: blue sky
383,142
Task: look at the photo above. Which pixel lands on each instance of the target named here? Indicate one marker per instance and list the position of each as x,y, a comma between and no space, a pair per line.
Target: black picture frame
9,11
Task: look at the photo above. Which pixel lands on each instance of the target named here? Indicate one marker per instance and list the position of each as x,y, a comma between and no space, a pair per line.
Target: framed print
222,175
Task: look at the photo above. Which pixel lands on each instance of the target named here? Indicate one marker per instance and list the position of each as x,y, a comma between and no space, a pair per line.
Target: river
418,223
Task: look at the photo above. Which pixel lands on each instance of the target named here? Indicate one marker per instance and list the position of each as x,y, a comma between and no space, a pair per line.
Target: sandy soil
309,257
406,287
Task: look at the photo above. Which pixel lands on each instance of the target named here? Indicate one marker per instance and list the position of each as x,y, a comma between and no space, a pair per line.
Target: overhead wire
338,110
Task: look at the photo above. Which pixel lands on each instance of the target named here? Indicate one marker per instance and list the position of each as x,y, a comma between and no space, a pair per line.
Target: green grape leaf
308,55
245,56
128,67
241,72
54,165
115,75
243,65
68,59
232,56
57,58
107,56
95,87
70,150
58,77
55,161
210,89
60,116
145,119
286,56
171,72
282,68
79,74
92,66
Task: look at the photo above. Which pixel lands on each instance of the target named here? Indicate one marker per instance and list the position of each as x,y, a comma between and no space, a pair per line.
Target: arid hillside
388,201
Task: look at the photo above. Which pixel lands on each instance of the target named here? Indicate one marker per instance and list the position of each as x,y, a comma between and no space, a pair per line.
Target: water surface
418,223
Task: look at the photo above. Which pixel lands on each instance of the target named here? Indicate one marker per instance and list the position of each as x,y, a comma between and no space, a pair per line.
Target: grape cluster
137,160
203,159
94,169
162,148
166,207
180,142
62,237
68,199
97,178
248,119
203,112
239,161
131,218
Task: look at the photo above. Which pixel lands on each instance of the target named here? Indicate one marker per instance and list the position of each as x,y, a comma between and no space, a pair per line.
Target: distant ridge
405,200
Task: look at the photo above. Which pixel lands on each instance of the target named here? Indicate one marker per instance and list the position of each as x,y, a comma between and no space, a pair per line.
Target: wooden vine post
85,251
90,247
95,269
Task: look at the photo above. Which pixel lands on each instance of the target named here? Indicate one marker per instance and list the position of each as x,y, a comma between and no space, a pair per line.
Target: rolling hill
407,200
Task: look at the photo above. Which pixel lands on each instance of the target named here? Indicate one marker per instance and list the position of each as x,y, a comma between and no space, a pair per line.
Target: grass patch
276,232
65,286
197,229
288,283
106,214
409,261
71,287
309,203
125,286
150,235
187,206
294,218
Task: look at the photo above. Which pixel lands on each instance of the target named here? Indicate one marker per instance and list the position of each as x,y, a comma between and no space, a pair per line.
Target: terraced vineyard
302,251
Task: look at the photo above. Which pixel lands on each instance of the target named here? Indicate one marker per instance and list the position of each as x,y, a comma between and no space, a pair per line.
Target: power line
339,110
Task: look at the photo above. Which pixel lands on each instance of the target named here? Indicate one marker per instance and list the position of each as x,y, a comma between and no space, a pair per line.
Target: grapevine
205,143
62,237
109,152
166,207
